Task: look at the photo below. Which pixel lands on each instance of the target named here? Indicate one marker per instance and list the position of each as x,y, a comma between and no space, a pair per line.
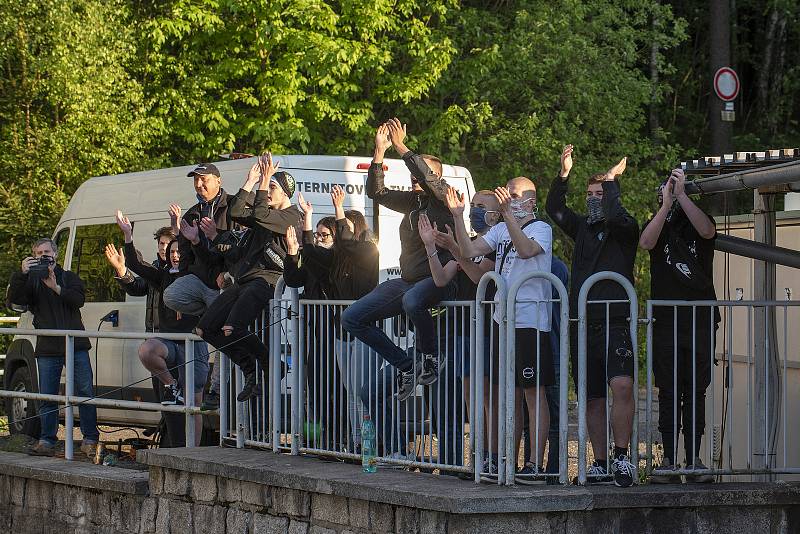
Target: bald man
522,244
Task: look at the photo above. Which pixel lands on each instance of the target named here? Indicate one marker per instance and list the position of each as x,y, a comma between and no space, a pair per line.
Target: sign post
726,85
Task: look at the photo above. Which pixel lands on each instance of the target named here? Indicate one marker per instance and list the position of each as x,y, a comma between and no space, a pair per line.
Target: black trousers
239,306
682,373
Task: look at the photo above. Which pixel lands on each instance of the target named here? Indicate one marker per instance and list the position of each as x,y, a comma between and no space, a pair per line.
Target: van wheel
19,410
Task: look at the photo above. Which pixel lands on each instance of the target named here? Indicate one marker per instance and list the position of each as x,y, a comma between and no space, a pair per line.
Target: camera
41,269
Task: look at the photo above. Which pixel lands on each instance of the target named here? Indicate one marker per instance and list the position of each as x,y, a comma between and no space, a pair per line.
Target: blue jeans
50,368
378,397
390,299
447,405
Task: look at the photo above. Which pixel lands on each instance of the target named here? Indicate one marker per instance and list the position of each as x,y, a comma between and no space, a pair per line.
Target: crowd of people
218,263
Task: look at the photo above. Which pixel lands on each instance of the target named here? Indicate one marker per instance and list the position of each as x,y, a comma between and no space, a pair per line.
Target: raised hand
253,176
292,246
617,169
382,141
447,240
306,206
566,161
337,196
667,194
27,263
397,134
679,183
190,231
427,232
51,281
269,165
174,216
504,198
209,228
124,225
455,202
116,258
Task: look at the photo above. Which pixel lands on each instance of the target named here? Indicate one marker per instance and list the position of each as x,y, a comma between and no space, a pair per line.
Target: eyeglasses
323,236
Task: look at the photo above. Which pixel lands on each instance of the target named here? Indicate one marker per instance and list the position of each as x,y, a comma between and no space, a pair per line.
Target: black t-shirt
670,271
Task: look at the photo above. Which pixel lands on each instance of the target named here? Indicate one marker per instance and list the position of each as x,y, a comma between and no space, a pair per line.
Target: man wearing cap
194,292
255,259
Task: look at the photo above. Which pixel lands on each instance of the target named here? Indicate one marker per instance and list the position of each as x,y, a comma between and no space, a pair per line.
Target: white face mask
519,210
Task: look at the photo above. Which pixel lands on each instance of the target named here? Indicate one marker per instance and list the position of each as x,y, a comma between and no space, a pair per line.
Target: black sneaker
251,388
172,395
406,383
665,473
623,471
210,402
700,478
432,366
528,475
597,474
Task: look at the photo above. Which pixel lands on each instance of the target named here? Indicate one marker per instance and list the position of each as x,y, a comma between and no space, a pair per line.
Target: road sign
726,84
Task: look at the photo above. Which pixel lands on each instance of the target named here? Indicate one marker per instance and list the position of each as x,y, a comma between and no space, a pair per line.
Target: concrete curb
79,474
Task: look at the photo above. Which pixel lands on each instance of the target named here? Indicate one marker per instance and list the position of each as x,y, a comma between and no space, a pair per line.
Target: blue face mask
477,218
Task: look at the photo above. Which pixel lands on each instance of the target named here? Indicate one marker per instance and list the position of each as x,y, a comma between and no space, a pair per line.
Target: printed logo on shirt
506,249
528,373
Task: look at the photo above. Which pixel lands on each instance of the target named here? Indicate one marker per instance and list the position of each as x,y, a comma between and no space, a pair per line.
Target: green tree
292,75
68,110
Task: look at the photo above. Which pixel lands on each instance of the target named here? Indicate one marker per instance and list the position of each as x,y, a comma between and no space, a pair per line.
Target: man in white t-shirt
522,244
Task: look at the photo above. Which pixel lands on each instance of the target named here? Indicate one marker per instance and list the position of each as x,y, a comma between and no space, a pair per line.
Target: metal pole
69,414
297,361
222,365
188,394
759,251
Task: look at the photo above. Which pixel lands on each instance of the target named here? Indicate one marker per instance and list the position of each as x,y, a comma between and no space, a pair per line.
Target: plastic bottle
369,463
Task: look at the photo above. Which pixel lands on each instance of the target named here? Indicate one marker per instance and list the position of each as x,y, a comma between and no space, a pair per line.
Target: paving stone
329,508
237,521
290,502
17,491
162,518
255,494
269,524
180,516
176,482
298,527
204,487
431,522
381,517
228,490
208,519
147,522
406,520
316,529
358,511
156,480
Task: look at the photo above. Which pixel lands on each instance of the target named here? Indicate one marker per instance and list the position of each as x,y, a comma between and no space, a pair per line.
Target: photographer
55,297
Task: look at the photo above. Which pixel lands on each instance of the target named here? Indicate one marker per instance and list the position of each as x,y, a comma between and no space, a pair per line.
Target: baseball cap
205,168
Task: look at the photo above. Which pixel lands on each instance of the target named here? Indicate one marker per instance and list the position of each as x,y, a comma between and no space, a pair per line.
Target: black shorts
525,358
602,365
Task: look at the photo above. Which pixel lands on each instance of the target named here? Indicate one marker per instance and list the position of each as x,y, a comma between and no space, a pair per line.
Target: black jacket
159,279
297,275
259,251
51,311
431,201
349,269
607,245
137,286
205,266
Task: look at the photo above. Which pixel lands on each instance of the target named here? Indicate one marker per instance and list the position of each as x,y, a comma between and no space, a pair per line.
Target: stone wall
236,492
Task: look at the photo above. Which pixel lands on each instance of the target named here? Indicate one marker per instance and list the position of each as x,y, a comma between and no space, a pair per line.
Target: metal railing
632,319
739,385
70,400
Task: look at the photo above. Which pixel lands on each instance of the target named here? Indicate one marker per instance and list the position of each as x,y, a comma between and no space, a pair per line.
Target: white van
88,225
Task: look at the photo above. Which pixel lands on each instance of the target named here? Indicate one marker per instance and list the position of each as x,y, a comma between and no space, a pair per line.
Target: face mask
477,218
324,245
594,206
518,209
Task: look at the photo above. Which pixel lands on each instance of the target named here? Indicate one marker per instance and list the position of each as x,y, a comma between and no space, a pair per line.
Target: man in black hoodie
605,240
55,297
256,258
414,292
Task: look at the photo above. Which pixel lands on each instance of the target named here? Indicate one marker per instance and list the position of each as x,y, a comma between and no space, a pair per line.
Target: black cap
205,168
